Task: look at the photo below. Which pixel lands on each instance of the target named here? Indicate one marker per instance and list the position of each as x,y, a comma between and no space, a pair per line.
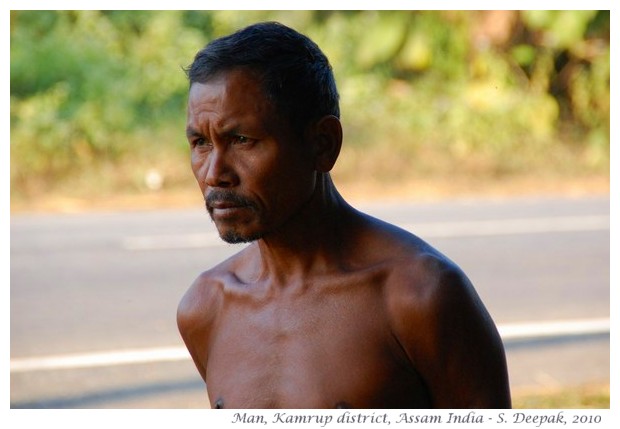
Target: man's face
253,170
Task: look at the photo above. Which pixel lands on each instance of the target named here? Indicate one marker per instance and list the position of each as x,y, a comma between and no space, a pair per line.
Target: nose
219,171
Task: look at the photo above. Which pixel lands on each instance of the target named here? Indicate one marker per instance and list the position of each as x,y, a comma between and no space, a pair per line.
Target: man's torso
321,345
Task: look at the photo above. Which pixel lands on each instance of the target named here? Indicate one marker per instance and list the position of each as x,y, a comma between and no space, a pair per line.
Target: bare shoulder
425,283
443,326
199,303
425,287
199,308
422,282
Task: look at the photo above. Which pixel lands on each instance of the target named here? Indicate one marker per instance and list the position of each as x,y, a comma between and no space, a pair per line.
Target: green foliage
421,91
84,82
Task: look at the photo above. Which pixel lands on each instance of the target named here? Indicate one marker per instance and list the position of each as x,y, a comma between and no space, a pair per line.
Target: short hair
295,74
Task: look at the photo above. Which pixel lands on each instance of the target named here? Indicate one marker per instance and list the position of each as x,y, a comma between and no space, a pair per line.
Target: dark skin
327,307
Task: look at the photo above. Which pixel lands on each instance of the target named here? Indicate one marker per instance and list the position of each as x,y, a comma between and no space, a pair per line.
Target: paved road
110,282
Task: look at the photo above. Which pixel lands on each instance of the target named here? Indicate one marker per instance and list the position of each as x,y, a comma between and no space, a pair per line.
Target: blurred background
485,132
438,95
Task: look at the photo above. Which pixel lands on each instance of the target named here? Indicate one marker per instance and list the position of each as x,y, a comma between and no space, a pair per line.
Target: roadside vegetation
456,97
587,396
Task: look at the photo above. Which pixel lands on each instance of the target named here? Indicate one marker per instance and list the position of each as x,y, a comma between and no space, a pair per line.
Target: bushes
494,92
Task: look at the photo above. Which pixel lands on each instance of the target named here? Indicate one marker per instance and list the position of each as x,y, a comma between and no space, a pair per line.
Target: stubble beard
234,237
230,233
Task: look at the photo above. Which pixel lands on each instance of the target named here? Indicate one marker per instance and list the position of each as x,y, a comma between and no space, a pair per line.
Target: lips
225,205
226,213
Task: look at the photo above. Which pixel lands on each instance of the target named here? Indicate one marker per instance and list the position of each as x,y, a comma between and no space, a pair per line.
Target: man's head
294,74
262,126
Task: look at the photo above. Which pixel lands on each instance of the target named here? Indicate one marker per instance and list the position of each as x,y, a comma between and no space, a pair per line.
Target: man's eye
241,140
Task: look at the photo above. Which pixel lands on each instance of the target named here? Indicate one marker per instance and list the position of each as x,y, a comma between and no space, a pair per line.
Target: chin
232,236
237,232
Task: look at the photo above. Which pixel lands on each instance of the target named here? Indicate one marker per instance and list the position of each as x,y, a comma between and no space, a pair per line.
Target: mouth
223,206
225,210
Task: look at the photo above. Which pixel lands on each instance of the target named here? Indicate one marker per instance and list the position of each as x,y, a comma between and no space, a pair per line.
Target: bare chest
321,350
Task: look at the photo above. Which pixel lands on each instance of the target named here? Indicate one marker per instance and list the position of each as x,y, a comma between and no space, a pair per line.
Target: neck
309,243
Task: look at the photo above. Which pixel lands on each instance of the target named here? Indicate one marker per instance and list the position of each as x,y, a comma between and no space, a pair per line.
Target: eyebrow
229,130
192,132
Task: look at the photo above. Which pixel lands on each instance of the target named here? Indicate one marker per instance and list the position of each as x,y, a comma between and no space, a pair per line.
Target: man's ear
326,138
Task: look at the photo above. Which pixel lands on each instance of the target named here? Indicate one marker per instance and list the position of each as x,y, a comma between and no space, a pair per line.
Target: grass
187,194
586,396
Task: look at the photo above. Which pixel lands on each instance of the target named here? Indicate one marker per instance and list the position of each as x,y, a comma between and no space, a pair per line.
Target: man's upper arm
450,338
195,315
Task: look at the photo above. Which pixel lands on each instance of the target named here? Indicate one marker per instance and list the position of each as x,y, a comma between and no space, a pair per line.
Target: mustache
230,197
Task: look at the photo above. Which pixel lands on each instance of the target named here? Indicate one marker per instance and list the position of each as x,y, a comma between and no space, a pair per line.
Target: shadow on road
102,398
99,398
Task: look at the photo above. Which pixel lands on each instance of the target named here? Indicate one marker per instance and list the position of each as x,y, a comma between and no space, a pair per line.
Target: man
327,307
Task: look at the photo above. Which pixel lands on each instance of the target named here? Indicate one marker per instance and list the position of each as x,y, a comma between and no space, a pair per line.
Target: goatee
231,236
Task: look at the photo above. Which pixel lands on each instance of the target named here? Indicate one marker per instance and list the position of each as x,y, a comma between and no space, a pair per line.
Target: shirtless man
327,307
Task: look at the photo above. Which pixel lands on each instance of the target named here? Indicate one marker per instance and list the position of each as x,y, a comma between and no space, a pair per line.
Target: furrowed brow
192,132
231,131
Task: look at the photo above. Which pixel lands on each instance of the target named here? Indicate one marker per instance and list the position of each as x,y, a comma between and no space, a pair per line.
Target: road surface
93,296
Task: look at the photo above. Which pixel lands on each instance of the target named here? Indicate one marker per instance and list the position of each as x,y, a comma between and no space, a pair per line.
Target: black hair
295,74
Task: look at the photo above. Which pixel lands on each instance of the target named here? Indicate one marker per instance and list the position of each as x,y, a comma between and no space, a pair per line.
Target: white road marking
554,329
168,354
478,228
111,358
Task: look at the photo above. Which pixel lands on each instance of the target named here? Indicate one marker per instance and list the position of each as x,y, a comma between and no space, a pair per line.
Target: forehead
232,95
